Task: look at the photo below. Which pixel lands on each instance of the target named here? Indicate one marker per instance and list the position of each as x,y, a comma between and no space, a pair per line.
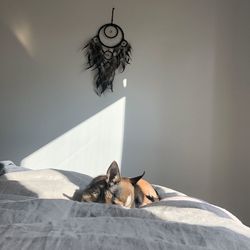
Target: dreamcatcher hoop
105,35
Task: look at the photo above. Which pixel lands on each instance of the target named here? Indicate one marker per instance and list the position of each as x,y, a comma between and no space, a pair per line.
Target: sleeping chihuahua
114,189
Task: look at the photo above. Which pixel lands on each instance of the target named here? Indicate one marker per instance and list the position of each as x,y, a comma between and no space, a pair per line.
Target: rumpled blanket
36,212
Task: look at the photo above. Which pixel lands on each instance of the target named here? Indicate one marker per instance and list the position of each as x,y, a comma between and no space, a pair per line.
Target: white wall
240,172
186,115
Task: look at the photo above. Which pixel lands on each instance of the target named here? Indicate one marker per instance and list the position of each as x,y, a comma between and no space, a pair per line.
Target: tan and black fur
114,189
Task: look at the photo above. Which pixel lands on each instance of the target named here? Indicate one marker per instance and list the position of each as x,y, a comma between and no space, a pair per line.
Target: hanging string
113,9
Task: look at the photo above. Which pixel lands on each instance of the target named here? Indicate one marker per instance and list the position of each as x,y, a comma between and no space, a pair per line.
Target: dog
114,189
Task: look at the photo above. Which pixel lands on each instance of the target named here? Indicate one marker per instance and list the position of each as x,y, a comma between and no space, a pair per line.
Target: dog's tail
65,195
76,196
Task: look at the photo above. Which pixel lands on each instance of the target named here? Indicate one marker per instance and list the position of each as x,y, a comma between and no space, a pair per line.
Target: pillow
9,166
45,183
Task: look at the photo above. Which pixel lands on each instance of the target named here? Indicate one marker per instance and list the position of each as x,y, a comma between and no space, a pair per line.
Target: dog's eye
115,198
115,195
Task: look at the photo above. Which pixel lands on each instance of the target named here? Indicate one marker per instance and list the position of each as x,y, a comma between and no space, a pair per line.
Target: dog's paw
152,198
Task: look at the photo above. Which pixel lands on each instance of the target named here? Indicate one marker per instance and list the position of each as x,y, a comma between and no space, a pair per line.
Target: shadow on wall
89,147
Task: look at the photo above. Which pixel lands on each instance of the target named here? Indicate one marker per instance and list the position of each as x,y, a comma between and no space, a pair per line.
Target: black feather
105,68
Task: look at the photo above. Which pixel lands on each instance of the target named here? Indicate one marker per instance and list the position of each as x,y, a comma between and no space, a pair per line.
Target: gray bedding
35,213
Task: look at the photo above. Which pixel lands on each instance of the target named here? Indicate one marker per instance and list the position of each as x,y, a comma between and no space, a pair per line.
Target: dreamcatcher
107,52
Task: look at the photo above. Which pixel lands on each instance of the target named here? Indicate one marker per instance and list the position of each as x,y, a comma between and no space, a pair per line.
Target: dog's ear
113,174
134,180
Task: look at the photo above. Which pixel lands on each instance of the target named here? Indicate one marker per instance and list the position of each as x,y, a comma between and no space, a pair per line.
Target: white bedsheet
35,213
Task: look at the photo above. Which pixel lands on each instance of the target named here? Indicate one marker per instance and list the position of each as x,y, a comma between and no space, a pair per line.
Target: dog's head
112,188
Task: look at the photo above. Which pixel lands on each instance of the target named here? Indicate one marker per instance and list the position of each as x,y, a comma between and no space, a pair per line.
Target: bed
36,212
